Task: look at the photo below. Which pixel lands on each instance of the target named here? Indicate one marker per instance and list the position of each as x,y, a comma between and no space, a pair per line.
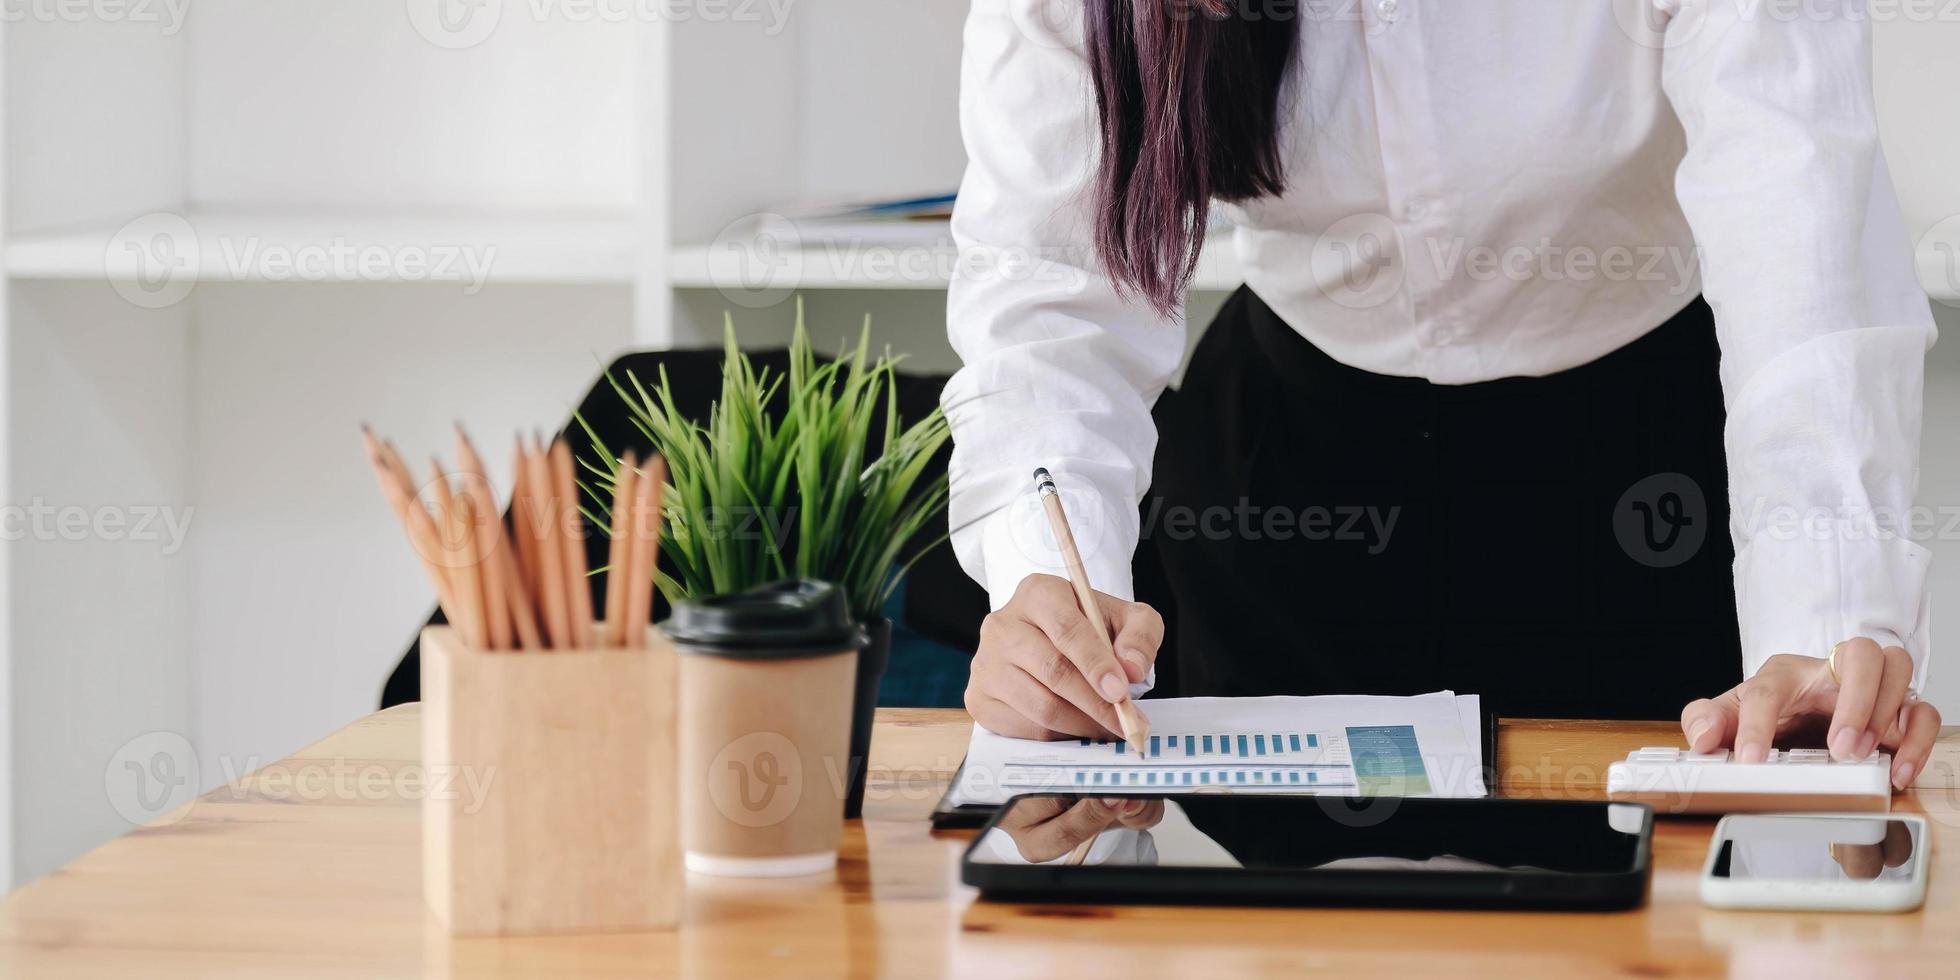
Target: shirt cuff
1803,590
1016,542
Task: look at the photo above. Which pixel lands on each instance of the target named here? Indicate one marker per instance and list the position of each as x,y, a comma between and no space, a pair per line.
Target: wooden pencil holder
552,781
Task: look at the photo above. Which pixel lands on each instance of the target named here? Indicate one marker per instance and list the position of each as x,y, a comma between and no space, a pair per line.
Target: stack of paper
921,220
1428,745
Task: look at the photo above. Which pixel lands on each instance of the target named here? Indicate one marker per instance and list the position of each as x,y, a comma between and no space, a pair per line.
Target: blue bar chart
1335,776
1282,761
1211,746
1194,777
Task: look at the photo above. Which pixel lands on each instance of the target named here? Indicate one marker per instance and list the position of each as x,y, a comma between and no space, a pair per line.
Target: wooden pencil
1136,727
644,554
399,468
578,586
473,593
425,530
523,585
523,533
459,555
521,566
619,552
522,615
551,557
519,601
489,546
414,518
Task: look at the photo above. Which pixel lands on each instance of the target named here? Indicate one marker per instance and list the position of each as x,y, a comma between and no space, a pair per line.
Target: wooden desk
310,868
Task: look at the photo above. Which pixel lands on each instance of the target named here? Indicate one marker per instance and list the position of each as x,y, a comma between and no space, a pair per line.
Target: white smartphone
1853,862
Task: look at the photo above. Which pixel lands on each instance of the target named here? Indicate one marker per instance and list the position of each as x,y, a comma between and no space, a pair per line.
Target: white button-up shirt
1476,191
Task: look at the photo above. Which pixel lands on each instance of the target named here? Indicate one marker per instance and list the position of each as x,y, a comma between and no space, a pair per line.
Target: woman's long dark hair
1187,95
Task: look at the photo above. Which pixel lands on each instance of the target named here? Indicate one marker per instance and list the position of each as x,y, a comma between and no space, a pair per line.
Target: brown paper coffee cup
766,686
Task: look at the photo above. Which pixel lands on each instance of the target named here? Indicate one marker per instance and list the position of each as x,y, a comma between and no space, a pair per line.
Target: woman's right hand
1041,672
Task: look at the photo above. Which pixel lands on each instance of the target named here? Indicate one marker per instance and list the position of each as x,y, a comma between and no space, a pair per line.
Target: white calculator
1792,780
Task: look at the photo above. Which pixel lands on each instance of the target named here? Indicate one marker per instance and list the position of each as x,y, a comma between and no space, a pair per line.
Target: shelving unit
225,244
155,351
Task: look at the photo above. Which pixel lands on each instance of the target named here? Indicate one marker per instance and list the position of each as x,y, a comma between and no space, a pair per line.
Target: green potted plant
808,473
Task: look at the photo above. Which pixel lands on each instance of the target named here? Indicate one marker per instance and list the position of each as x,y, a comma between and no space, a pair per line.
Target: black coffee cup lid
790,618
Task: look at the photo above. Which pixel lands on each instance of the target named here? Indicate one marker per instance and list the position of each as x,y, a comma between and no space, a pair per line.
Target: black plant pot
872,661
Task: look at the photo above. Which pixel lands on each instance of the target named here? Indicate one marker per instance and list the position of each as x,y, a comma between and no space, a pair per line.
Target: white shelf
858,266
253,246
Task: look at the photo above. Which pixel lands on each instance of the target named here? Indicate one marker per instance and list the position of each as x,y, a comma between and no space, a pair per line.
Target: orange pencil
460,557
425,529
520,564
645,550
524,532
619,554
578,588
487,529
400,494
551,557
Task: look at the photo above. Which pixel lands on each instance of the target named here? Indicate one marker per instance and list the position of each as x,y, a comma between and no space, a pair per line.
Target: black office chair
936,614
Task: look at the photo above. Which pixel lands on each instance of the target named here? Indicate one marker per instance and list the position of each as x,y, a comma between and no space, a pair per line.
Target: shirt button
1436,333
1415,209
1386,8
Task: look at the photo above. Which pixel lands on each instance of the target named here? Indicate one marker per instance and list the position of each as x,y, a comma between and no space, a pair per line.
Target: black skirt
1558,545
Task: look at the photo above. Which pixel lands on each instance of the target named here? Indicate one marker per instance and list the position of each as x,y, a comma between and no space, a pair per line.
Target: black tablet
1313,850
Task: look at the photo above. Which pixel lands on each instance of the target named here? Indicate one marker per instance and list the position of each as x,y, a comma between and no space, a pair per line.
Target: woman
1471,422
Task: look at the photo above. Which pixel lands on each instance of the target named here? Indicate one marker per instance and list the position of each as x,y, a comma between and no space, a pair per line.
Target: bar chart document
1427,745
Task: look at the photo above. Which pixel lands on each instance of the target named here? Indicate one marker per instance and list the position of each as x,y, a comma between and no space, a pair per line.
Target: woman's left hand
1869,705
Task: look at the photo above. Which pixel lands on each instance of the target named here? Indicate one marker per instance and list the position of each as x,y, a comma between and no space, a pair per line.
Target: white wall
1916,70
1939,491
242,400
99,103
912,142
100,635
97,632
6,489
296,104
